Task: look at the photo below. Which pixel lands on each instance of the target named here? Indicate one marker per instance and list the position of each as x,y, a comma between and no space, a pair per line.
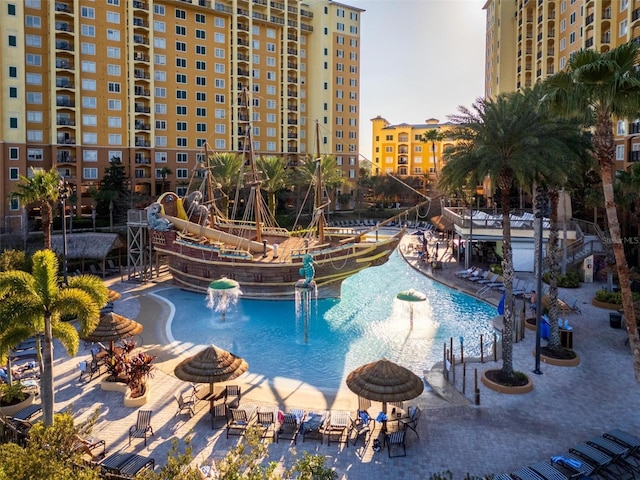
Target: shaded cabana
89,246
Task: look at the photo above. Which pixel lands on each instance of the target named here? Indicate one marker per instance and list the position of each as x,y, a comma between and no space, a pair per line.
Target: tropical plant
306,177
225,168
164,172
38,302
510,140
112,196
12,393
48,453
274,178
433,135
41,187
598,86
14,260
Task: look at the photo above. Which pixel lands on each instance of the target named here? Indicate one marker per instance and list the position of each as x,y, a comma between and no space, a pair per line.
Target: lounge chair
313,425
232,396
549,471
492,277
339,425
142,428
125,465
291,425
465,271
411,422
267,421
630,442
599,460
218,411
527,473
396,440
363,425
88,445
573,463
89,369
241,419
184,404
479,277
618,453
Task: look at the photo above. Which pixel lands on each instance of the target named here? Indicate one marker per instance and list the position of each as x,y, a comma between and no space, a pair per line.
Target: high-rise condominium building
149,82
529,40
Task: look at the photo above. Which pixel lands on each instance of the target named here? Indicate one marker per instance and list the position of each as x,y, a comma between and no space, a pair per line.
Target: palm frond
92,285
67,335
78,303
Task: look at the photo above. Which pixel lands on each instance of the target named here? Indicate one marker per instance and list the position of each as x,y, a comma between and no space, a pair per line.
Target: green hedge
570,280
614,297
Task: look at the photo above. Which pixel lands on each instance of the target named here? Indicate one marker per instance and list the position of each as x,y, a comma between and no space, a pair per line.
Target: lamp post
63,193
467,251
540,200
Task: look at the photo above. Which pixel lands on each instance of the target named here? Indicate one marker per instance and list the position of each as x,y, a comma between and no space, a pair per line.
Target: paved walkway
503,433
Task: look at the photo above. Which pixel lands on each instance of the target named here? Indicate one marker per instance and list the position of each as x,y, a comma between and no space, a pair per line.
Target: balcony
66,140
141,142
292,121
142,126
242,27
64,64
589,19
291,93
65,121
140,5
64,83
63,45
260,2
63,8
634,156
606,38
142,108
142,92
141,74
63,27
65,157
292,51
243,73
142,160
140,57
278,5
634,128
139,22
292,65
589,43
65,102
140,40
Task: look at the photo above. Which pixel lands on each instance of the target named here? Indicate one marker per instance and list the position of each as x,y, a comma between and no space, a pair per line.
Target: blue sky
420,59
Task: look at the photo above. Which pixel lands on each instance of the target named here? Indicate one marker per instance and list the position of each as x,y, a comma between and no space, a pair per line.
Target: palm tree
42,188
164,172
225,168
38,302
598,87
275,178
433,135
331,174
510,140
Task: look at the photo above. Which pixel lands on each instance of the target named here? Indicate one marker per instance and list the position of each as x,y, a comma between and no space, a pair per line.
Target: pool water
368,323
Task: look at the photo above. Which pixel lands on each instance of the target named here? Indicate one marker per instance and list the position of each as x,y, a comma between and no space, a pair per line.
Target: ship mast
254,177
319,207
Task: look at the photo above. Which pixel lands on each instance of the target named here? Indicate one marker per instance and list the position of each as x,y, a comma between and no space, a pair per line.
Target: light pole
63,192
540,200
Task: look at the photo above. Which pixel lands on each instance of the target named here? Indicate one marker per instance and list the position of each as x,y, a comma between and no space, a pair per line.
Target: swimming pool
366,324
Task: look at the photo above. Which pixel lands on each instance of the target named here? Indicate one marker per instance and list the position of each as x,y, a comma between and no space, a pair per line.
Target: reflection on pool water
367,324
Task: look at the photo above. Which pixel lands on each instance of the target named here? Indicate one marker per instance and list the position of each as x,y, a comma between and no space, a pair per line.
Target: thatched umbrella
385,381
112,295
211,365
113,327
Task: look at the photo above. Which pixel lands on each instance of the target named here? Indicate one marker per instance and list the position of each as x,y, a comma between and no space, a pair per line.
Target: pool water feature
368,323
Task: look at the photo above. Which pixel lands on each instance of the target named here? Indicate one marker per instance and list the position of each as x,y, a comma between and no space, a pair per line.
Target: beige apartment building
149,82
529,40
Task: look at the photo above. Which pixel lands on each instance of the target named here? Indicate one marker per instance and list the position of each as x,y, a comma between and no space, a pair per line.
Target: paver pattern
502,434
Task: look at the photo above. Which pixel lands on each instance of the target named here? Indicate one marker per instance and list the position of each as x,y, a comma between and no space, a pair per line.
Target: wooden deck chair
239,422
267,422
363,426
396,440
142,428
184,404
339,424
219,411
411,422
232,395
291,425
313,425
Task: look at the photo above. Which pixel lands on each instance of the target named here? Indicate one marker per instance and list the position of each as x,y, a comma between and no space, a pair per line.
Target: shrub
614,297
570,280
12,394
496,268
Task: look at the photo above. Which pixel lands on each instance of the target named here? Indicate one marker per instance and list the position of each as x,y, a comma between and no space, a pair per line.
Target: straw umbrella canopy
385,381
112,327
112,295
211,365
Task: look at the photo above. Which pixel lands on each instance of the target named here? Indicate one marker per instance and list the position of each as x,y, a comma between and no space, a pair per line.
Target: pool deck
501,434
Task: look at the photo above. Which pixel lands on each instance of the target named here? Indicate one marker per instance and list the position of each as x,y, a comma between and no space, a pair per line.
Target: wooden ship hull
267,272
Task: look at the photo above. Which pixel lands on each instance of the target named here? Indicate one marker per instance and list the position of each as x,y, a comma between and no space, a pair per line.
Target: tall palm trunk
604,150
504,183
46,380
46,213
554,269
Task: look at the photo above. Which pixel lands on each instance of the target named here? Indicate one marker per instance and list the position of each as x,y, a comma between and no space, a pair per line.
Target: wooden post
453,364
481,349
453,357
476,389
464,377
461,350
495,348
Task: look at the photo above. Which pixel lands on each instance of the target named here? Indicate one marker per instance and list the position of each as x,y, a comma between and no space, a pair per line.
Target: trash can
566,338
545,329
615,320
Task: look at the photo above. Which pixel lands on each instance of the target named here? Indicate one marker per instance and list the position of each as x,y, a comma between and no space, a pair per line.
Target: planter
497,387
558,362
122,388
13,409
608,306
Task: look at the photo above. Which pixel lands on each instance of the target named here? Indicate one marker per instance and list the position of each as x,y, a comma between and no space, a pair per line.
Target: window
271,118
13,122
161,124
271,76
158,9
201,112
88,30
33,21
271,89
90,173
220,128
34,116
181,110
113,2
14,153
115,139
33,60
161,141
271,61
220,113
181,46
181,14
14,203
87,66
159,26
161,157
114,104
201,96
88,48
181,78
619,152
161,92
621,127
89,102
200,18
113,52
33,41
181,142
219,98
34,79
13,41
90,155
181,62
13,72
88,84
160,76
161,108
159,59
89,137
14,173
90,120
200,65
181,30
181,94
218,22
624,4
34,97
623,27
35,135
219,53
11,9
87,12
201,50
114,122
160,42
182,172
219,38
220,144
255,44
113,17
201,127
181,158
35,4
563,44
572,38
